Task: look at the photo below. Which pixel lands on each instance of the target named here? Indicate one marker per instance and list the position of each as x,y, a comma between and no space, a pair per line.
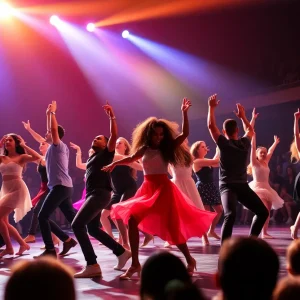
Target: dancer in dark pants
233,170
98,194
60,186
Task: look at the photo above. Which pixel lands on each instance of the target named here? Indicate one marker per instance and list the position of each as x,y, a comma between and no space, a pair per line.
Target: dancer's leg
191,262
4,213
106,222
295,228
211,232
265,234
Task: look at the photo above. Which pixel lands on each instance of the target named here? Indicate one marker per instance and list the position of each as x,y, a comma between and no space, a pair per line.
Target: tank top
205,175
153,162
122,179
11,168
43,173
261,173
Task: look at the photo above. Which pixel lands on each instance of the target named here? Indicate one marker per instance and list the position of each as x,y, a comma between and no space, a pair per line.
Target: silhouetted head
230,128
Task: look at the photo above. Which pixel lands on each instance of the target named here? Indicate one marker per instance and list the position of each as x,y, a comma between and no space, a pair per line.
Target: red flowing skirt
41,194
77,205
161,209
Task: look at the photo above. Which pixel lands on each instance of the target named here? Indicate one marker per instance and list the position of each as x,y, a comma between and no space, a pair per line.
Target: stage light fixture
90,27
125,34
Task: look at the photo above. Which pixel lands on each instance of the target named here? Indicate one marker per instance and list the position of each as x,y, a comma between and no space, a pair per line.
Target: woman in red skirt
159,207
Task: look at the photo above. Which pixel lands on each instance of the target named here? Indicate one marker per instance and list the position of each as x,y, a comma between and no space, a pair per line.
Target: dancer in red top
159,207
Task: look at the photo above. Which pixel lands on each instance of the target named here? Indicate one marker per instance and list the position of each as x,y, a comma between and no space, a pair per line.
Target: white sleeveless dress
182,177
14,193
260,185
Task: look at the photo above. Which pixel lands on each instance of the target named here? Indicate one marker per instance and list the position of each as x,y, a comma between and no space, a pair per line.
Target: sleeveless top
11,168
121,178
205,175
43,173
181,172
153,162
261,173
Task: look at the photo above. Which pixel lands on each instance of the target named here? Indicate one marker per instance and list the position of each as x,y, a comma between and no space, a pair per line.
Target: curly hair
142,135
19,149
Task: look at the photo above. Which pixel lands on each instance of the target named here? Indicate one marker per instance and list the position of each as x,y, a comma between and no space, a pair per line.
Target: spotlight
125,34
5,10
90,27
54,20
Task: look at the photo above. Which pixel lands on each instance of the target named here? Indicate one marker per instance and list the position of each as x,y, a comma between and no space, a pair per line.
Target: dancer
14,195
259,169
182,178
98,190
233,170
159,207
60,185
82,166
209,193
124,187
295,155
38,200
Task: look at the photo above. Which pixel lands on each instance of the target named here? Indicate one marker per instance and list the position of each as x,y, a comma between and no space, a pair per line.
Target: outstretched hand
186,104
276,139
108,168
108,110
212,101
297,114
26,125
74,146
240,113
2,141
254,113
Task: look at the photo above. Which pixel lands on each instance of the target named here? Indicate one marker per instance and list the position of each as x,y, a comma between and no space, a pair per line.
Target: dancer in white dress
259,168
14,195
182,178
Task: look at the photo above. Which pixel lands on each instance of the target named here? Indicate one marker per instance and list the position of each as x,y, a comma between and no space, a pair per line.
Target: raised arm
253,159
51,114
273,147
34,134
30,155
206,162
111,145
246,124
79,163
254,117
296,130
126,161
211,119
134,165
186,104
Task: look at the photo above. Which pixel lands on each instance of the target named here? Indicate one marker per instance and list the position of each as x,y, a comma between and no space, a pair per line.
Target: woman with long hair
295,156
14,195
210,195
159,207
259,169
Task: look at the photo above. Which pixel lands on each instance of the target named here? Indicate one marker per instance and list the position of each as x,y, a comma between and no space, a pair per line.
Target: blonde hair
127,152
194,149
143,132
294,152
249,167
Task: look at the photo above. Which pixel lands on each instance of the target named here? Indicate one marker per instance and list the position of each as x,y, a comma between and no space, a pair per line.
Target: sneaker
89,272
67,246
122,260
47,253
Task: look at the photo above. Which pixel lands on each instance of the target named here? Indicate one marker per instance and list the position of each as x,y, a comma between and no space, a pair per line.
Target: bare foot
294,232
213,234
22,249
29,239
205,241
167,245
148,238
7,252
266,236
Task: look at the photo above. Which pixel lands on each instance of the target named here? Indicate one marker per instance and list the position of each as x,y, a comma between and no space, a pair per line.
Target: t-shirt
95,177
57,165
233,159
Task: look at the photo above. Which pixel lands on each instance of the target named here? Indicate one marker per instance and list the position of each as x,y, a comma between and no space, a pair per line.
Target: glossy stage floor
110,287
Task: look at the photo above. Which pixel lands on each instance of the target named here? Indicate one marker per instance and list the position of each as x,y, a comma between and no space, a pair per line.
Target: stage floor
110,287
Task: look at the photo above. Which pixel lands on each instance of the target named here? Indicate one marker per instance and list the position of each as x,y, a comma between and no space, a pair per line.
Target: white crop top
11,168
153,163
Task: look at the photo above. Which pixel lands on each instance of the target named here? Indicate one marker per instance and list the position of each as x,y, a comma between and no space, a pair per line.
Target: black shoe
67,246
47,253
